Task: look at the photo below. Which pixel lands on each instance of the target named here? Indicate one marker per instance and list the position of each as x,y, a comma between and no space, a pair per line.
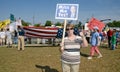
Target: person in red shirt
109,34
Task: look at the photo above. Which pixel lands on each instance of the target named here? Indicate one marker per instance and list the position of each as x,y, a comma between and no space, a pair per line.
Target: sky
39,11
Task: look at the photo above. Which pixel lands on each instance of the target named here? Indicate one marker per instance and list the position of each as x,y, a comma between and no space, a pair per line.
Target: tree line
78,24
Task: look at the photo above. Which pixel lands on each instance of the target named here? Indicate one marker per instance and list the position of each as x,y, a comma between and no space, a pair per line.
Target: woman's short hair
69,26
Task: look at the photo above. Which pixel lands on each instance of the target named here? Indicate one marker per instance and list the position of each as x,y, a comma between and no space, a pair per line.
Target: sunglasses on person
69,29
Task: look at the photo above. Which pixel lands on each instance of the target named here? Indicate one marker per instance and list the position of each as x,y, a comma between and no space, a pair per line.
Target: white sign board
67,11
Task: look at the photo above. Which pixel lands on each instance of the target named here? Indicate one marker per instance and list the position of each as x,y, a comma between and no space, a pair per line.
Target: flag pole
65,22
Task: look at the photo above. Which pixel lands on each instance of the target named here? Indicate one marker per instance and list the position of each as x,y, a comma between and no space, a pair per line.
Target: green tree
36,25
79,25
114,24
48,23
25,23
58,24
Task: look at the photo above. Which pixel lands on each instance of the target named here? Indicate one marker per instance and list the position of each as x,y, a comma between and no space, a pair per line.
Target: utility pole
33,20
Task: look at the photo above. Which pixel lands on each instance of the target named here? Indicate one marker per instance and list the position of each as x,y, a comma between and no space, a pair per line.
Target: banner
4,23
46,33
67,11
18,22
94,22
12,18
40,32
12,27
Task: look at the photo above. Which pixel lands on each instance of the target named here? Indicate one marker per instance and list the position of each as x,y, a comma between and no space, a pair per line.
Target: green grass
47,59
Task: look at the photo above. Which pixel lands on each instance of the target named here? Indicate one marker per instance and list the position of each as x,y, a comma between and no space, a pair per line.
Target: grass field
47,59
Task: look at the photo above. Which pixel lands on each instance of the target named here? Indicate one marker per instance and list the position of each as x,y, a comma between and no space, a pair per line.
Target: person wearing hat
95,43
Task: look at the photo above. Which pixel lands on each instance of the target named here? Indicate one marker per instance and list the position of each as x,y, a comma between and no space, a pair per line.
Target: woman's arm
85,43
61,47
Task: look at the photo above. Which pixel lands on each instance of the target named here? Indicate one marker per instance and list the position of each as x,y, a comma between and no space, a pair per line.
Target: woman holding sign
70,49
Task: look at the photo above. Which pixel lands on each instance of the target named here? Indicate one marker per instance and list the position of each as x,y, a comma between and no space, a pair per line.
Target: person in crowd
15,37
95,42
113,40
70,50
21,33
2,36
104,35
87,34
8,38
101,37
109,35
118,38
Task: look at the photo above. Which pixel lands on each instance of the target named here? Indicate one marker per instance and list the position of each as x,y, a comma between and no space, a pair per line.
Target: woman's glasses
69,29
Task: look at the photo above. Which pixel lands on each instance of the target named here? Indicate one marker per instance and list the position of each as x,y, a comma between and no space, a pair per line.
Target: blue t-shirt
94,38
21,32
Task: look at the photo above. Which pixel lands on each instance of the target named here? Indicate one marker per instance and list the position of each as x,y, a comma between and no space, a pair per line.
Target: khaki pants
21,42
70,67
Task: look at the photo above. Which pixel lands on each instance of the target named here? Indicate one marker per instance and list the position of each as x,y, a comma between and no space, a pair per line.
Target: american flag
40,32
43,32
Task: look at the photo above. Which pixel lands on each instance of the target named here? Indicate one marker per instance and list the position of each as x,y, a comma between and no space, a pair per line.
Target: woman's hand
81,34
61,47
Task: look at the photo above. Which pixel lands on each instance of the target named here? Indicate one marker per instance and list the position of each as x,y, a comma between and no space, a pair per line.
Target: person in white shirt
8,38
2,36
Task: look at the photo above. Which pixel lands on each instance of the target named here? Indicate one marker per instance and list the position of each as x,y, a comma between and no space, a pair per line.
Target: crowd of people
9,38
113,38
111,35
5,37
70,48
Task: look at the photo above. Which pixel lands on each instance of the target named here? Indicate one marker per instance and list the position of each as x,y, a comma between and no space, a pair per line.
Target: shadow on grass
84,55
46,68
103,46
41,46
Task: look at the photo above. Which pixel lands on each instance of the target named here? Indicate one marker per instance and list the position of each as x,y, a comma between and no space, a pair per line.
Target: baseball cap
95,27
